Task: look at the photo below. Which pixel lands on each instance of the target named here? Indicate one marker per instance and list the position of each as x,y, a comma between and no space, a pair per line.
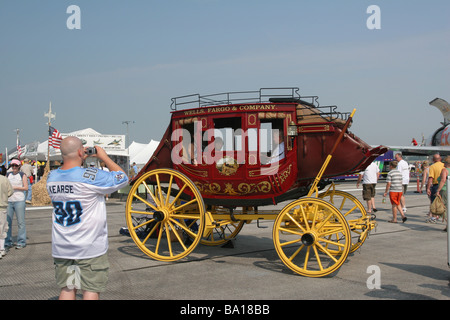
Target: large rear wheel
165,214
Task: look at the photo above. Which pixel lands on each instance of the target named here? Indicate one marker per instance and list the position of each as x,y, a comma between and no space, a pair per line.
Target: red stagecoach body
237,175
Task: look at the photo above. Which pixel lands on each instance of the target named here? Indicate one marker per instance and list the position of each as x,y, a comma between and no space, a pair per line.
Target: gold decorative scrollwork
246,188
242,189
208,188
285,174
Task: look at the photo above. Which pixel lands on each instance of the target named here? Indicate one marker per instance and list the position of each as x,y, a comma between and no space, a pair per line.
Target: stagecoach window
271,141
191,142
229,130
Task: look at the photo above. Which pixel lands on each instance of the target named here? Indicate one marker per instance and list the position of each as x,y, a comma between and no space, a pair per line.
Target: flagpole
50,116
17,143
48,144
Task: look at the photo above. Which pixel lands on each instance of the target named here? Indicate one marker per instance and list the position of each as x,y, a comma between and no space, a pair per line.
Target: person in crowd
27,168
369,180
104,168
441,191
433,183
403,167
277,153
16,204
394,185
6,190
425,173
79,231
135,168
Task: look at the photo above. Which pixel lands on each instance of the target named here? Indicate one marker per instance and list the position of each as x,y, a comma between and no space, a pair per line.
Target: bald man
80,233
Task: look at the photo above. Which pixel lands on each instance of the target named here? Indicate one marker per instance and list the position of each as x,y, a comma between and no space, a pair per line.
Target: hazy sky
131,57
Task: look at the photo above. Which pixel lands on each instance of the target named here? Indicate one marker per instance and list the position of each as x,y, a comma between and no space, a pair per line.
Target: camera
91,150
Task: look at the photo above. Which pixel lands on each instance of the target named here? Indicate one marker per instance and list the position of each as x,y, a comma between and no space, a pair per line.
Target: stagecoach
226,159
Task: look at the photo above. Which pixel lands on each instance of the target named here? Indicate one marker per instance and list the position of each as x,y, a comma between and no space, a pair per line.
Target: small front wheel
312,237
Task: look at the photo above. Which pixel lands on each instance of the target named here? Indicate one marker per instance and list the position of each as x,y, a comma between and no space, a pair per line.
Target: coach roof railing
272,95
226,98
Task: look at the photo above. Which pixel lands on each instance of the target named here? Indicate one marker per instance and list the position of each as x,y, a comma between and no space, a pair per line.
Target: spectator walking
442,187
369,181
394,185
433,183
404,170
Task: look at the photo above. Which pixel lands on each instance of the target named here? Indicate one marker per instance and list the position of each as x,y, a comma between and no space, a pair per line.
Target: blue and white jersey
79,211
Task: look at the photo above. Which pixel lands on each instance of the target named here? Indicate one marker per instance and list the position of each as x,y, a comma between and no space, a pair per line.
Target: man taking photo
80,233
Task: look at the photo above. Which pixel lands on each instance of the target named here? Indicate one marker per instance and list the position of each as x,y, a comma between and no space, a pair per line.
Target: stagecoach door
226,150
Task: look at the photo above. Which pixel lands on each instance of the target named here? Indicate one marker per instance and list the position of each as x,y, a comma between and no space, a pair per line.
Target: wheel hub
160,215
308,239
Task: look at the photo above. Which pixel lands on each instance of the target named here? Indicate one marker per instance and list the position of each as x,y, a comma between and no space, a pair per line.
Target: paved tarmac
411,259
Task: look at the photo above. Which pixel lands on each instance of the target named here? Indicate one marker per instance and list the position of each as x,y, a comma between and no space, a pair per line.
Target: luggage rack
289,94
272,95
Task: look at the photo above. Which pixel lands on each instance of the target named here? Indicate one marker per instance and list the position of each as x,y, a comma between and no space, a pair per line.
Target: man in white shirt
404,170
6,191
80,233
370,179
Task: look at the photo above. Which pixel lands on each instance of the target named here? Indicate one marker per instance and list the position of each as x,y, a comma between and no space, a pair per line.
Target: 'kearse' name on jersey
60,189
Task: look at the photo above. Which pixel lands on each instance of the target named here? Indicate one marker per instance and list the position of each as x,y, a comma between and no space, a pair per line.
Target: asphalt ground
410,260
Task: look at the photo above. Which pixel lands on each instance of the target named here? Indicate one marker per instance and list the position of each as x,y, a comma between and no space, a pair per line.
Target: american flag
54,138
19,150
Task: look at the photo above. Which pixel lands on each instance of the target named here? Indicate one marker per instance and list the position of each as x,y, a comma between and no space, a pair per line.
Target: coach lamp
292,133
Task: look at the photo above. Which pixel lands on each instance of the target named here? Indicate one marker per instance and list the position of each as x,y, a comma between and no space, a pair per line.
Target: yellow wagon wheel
165,214
353,210
307,233
225,231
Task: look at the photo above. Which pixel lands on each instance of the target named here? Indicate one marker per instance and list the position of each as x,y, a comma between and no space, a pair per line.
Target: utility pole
17,143
127,122
49,115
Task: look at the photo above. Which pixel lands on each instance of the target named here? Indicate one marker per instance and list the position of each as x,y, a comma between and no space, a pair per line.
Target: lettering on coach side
253,107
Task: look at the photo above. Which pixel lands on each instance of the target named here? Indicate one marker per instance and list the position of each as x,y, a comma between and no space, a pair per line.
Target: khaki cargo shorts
369,191
85,274
3,224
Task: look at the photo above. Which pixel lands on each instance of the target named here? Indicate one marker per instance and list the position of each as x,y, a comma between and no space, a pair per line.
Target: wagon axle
159,216
308,239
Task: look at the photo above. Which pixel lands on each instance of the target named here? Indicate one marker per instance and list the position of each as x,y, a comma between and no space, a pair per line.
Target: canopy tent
141,153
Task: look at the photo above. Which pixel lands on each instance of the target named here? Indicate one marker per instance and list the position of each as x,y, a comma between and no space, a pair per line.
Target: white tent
135,148
141,153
